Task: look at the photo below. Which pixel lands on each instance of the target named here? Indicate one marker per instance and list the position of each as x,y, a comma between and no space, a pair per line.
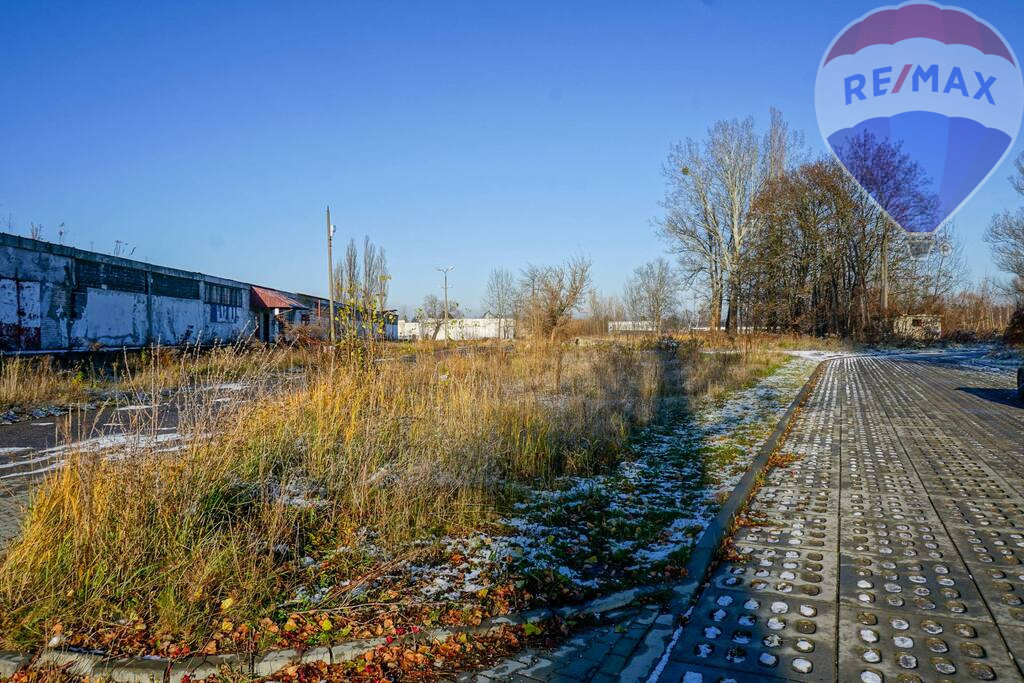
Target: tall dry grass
27,382
39,381
404,448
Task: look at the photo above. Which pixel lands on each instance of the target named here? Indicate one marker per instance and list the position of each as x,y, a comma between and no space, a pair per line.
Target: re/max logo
923,77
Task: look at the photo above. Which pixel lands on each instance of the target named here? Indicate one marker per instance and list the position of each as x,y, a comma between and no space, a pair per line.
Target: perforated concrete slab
917,508
1003,590
930,588
783,571
902,523
795,500
774,635
877,646
815,532
896,539
982,514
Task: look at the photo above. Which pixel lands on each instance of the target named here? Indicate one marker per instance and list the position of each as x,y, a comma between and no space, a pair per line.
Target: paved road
893,550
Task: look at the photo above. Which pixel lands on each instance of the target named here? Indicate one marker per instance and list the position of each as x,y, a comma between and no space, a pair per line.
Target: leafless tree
652,292
551,294
712,186
374,291
601,310
348,276
432,312
1005,235
500,297
362,280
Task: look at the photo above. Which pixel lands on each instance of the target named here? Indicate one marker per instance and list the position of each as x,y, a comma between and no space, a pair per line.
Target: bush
1014,334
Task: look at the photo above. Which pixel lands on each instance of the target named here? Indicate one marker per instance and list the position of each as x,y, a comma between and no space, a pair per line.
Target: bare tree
500,297
433,312
709,222
362,280
348,277
1005,235
551,294
652,292
603,309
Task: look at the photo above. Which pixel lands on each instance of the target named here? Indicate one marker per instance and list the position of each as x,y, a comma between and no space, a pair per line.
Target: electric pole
885,273
330,276
445,271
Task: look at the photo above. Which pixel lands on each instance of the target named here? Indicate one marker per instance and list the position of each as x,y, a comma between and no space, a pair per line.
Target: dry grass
38,381
408,447
41,381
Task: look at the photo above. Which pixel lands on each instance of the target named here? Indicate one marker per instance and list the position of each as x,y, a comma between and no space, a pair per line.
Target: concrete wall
58,298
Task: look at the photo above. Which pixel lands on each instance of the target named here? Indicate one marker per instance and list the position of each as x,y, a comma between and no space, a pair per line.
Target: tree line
779,240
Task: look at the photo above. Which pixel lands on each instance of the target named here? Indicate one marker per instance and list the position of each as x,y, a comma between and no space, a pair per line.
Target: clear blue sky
210,135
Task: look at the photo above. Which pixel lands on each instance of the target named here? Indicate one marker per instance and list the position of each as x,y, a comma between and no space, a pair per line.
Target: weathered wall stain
58,298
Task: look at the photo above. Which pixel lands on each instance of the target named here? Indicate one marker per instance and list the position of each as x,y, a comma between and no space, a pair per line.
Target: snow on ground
114,446
604,532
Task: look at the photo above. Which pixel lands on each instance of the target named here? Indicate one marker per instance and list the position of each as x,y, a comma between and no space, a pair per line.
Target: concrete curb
702,560
155,669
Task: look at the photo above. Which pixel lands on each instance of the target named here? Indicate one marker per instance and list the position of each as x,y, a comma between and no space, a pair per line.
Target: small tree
500,296
551,294
652,293
432,311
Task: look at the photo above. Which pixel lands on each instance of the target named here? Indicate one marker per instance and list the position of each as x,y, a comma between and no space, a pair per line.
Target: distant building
921,327
459,329
56,298
631,327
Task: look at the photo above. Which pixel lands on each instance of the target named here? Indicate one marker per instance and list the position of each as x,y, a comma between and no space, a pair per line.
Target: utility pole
330,276
885,272
445,271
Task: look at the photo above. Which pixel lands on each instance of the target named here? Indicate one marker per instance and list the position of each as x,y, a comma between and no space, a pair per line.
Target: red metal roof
269,298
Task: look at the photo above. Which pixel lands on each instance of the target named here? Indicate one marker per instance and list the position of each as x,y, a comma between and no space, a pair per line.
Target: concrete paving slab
914,494
877,645
782,571
774,635
914,586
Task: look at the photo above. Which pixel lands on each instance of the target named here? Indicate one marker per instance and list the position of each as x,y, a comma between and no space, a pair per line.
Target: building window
223,295
178,287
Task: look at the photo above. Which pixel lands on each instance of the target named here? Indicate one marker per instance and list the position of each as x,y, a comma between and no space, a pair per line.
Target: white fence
630,326
459,329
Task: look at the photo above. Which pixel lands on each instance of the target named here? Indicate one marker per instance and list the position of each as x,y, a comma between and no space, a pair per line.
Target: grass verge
332,481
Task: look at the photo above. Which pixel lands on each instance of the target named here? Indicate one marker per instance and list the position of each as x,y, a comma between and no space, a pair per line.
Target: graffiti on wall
20,322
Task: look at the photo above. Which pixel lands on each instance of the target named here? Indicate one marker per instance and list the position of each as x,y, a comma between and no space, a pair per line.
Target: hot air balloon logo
934,83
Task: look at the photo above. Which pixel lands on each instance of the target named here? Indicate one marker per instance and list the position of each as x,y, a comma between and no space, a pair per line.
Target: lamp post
445,272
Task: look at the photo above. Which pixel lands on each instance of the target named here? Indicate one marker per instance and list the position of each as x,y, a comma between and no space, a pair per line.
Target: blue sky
210,135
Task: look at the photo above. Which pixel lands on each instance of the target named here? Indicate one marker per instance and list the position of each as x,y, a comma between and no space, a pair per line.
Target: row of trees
782,241
544,299
362,278
776,239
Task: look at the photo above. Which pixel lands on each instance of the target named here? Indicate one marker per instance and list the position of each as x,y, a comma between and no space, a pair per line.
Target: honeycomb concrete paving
891,550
